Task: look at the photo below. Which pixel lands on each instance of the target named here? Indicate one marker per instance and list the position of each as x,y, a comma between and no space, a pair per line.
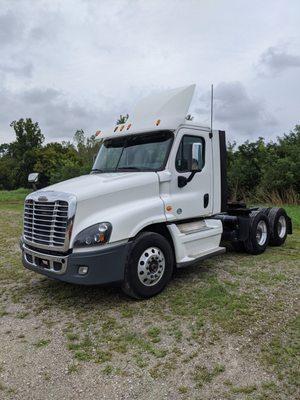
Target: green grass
203,375
183,389
14,196
244,389
294,213
282,353
41,343
73,368
239,299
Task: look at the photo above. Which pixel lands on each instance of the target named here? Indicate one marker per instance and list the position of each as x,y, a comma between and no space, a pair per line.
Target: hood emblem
42,198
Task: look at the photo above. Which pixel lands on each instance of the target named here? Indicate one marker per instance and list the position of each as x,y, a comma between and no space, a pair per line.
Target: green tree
281,170
244,167
22,151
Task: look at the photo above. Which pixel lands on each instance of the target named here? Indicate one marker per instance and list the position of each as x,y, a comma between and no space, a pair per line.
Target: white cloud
80,64
275,60
236,111
58,118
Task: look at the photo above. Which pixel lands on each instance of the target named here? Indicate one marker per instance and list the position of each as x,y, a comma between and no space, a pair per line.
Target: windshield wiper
128,168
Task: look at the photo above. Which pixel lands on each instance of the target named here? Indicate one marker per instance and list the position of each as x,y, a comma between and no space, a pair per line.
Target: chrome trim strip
51,258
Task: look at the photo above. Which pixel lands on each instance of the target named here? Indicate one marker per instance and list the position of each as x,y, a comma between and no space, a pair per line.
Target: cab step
196,240
208,254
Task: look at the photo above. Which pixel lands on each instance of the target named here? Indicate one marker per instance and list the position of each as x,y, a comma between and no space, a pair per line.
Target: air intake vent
45,222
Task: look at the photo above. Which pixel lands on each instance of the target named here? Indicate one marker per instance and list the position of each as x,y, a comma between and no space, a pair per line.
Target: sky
79,64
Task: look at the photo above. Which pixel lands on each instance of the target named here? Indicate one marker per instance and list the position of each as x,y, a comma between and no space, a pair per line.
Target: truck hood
128,200
94,185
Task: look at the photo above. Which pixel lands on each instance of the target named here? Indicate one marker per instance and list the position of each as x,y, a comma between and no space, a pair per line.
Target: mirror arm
193,173
183,181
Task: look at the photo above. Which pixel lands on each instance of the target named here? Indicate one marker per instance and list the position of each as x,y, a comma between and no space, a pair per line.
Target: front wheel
149,266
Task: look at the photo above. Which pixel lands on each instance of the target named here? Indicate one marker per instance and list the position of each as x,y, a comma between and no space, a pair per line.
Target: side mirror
33,177
195,157
195,163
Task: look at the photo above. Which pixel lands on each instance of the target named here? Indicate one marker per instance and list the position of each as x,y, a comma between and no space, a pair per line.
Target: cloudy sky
72,64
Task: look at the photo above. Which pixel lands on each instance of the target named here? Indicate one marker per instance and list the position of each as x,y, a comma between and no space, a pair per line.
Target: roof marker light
157,122
116,128
128,127
98,133
122,127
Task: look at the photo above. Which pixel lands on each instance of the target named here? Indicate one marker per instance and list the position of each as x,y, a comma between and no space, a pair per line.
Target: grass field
225,329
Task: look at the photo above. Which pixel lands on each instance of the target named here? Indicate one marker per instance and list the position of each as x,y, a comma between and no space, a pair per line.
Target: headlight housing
94,235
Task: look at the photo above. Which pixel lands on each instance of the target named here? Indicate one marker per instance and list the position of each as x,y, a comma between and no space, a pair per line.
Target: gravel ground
226,329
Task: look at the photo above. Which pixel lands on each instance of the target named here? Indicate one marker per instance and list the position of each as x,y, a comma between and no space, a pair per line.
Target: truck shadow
52,294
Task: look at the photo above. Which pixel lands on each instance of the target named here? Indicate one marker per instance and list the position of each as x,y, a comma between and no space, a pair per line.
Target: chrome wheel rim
281,227
151,266
261,233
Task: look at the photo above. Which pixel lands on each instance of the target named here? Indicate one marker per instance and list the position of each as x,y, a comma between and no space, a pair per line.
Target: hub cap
151,266
281,227
261,232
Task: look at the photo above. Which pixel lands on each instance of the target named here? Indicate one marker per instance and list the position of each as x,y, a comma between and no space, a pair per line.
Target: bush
266,171
256,170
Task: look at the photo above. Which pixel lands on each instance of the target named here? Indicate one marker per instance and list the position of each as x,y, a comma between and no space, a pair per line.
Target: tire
278,226
149,266
259,233
265,210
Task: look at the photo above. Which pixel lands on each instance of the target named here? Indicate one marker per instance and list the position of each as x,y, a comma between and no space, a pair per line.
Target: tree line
258,170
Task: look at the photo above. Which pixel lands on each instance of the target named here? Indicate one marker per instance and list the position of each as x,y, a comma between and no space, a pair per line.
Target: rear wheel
278,226
149,266
259,233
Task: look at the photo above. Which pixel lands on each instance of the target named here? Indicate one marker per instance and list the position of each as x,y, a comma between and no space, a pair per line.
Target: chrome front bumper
44,262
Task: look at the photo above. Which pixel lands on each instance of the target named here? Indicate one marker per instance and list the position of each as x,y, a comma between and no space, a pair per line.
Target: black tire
278,227
265,210
258,238
133,285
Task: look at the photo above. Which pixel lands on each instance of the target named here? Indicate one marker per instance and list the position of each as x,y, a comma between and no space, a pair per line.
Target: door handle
205,200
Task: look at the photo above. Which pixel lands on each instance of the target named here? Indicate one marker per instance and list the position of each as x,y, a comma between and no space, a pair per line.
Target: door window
185,148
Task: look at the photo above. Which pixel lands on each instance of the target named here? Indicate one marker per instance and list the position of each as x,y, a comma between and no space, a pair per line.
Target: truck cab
155,200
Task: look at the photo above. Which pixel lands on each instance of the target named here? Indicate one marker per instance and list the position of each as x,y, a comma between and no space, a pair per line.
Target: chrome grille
46,222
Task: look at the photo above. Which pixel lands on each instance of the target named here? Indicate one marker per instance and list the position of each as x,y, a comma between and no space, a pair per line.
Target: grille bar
46,222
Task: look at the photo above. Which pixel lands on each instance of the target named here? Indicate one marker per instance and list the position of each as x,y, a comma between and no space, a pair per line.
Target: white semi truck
155,200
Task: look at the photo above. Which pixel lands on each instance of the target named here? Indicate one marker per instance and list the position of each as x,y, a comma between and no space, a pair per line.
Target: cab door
195,198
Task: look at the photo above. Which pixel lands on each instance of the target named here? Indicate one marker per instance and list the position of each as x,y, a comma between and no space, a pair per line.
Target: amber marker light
100,238
122,127
128,126
157,122
169,208
98,133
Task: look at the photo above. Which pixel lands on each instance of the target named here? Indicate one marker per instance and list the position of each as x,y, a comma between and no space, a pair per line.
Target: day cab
155,200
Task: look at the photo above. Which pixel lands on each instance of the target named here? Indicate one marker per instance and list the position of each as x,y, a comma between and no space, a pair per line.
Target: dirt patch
222,330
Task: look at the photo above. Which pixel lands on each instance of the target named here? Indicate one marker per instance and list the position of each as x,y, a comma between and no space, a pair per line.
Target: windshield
142,152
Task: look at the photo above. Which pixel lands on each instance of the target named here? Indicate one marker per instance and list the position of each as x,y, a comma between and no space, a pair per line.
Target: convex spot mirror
33,177
195,157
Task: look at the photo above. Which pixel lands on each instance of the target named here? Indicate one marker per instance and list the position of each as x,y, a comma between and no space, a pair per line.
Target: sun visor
164,110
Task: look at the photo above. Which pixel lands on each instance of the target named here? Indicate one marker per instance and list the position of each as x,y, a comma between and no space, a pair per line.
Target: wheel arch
162,229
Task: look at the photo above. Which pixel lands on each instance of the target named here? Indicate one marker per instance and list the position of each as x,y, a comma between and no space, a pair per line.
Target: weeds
236,297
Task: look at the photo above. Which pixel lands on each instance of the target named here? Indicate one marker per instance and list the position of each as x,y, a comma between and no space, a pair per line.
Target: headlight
94,235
